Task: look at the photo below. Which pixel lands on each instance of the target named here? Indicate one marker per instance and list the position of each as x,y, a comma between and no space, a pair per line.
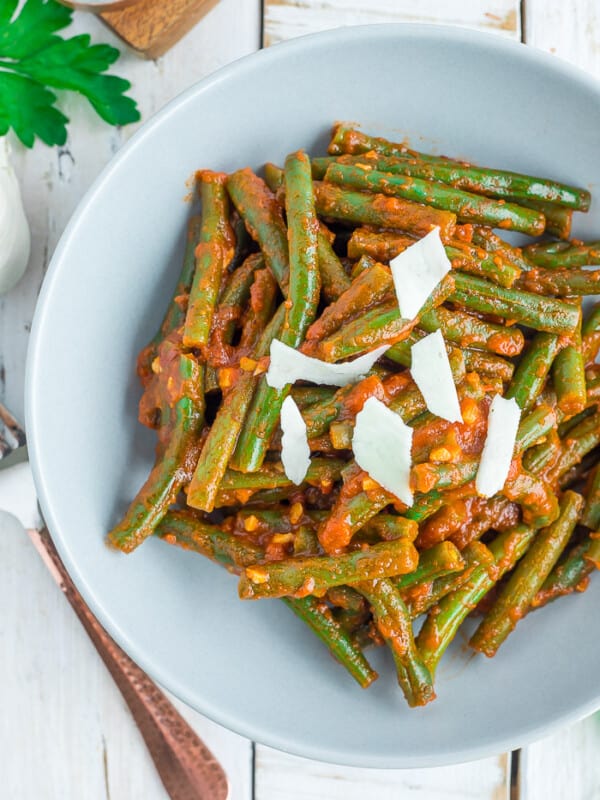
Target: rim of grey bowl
287,743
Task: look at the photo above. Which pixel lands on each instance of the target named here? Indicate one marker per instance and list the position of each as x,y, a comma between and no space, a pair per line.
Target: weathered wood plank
285,19
54,180
283,777
60,706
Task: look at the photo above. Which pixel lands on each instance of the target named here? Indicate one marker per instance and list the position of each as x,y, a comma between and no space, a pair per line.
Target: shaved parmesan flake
295,451
417,271
289,365
503,422
382,447
431,372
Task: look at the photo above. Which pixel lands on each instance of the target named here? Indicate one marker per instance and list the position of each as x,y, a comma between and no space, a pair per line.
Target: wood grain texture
285,19
282,777
54,180
151,27
65,731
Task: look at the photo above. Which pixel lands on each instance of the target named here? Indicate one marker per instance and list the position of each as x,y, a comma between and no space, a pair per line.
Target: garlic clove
15,236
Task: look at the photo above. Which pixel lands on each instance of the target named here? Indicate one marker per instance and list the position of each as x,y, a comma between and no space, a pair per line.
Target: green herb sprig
33,58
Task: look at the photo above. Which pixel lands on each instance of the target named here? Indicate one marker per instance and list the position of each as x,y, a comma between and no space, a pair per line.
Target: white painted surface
65,731
285,19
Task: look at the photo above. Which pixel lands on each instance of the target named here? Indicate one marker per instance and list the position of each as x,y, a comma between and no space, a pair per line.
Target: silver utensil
189,771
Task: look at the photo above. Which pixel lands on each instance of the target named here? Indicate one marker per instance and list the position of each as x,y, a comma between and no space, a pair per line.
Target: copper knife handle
189,771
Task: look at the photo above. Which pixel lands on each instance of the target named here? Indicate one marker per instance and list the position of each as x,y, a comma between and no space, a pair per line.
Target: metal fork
188,769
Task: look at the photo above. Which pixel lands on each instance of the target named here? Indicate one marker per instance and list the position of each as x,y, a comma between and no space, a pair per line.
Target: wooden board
284,19
64,728
151,27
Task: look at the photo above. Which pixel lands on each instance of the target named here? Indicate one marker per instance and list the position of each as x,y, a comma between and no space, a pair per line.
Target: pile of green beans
302,256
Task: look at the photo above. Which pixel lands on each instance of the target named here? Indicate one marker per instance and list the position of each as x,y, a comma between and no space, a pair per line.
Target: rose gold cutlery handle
188,769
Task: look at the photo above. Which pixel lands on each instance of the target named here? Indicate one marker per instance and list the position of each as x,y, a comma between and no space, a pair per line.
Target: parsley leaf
33,58
29,110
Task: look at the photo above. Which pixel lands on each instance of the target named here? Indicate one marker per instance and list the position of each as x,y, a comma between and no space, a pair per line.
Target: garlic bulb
15,238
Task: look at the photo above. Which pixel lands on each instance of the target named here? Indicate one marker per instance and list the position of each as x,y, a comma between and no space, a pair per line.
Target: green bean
299,576
482,180
186,530
579,441
440,560
561,282
379,325
468,207
569,423
532,310
225,430
535,496
301,307
486,364
321,621
442,623
557,255
262,214
570,574
516,597
533,370
363,264
260,310
333,202
394,624
476,261
228,550
381,246
559,219
334,280
534,426
273,177
307,396
175,313
591,512
174,465
421,597
213,254
489,241
568,377
430,476
366,290
272,476
230,311
468,330
391,526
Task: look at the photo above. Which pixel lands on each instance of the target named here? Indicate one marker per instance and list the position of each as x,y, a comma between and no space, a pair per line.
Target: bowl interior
253,666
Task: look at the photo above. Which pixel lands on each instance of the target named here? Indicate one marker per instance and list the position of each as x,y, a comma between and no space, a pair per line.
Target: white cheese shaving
417,271
431,372
289,365
503,422
382,447
295,451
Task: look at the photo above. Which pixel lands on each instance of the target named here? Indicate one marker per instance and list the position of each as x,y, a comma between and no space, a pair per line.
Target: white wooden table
65,731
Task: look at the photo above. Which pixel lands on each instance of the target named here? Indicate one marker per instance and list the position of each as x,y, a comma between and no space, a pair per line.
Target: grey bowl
252,666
